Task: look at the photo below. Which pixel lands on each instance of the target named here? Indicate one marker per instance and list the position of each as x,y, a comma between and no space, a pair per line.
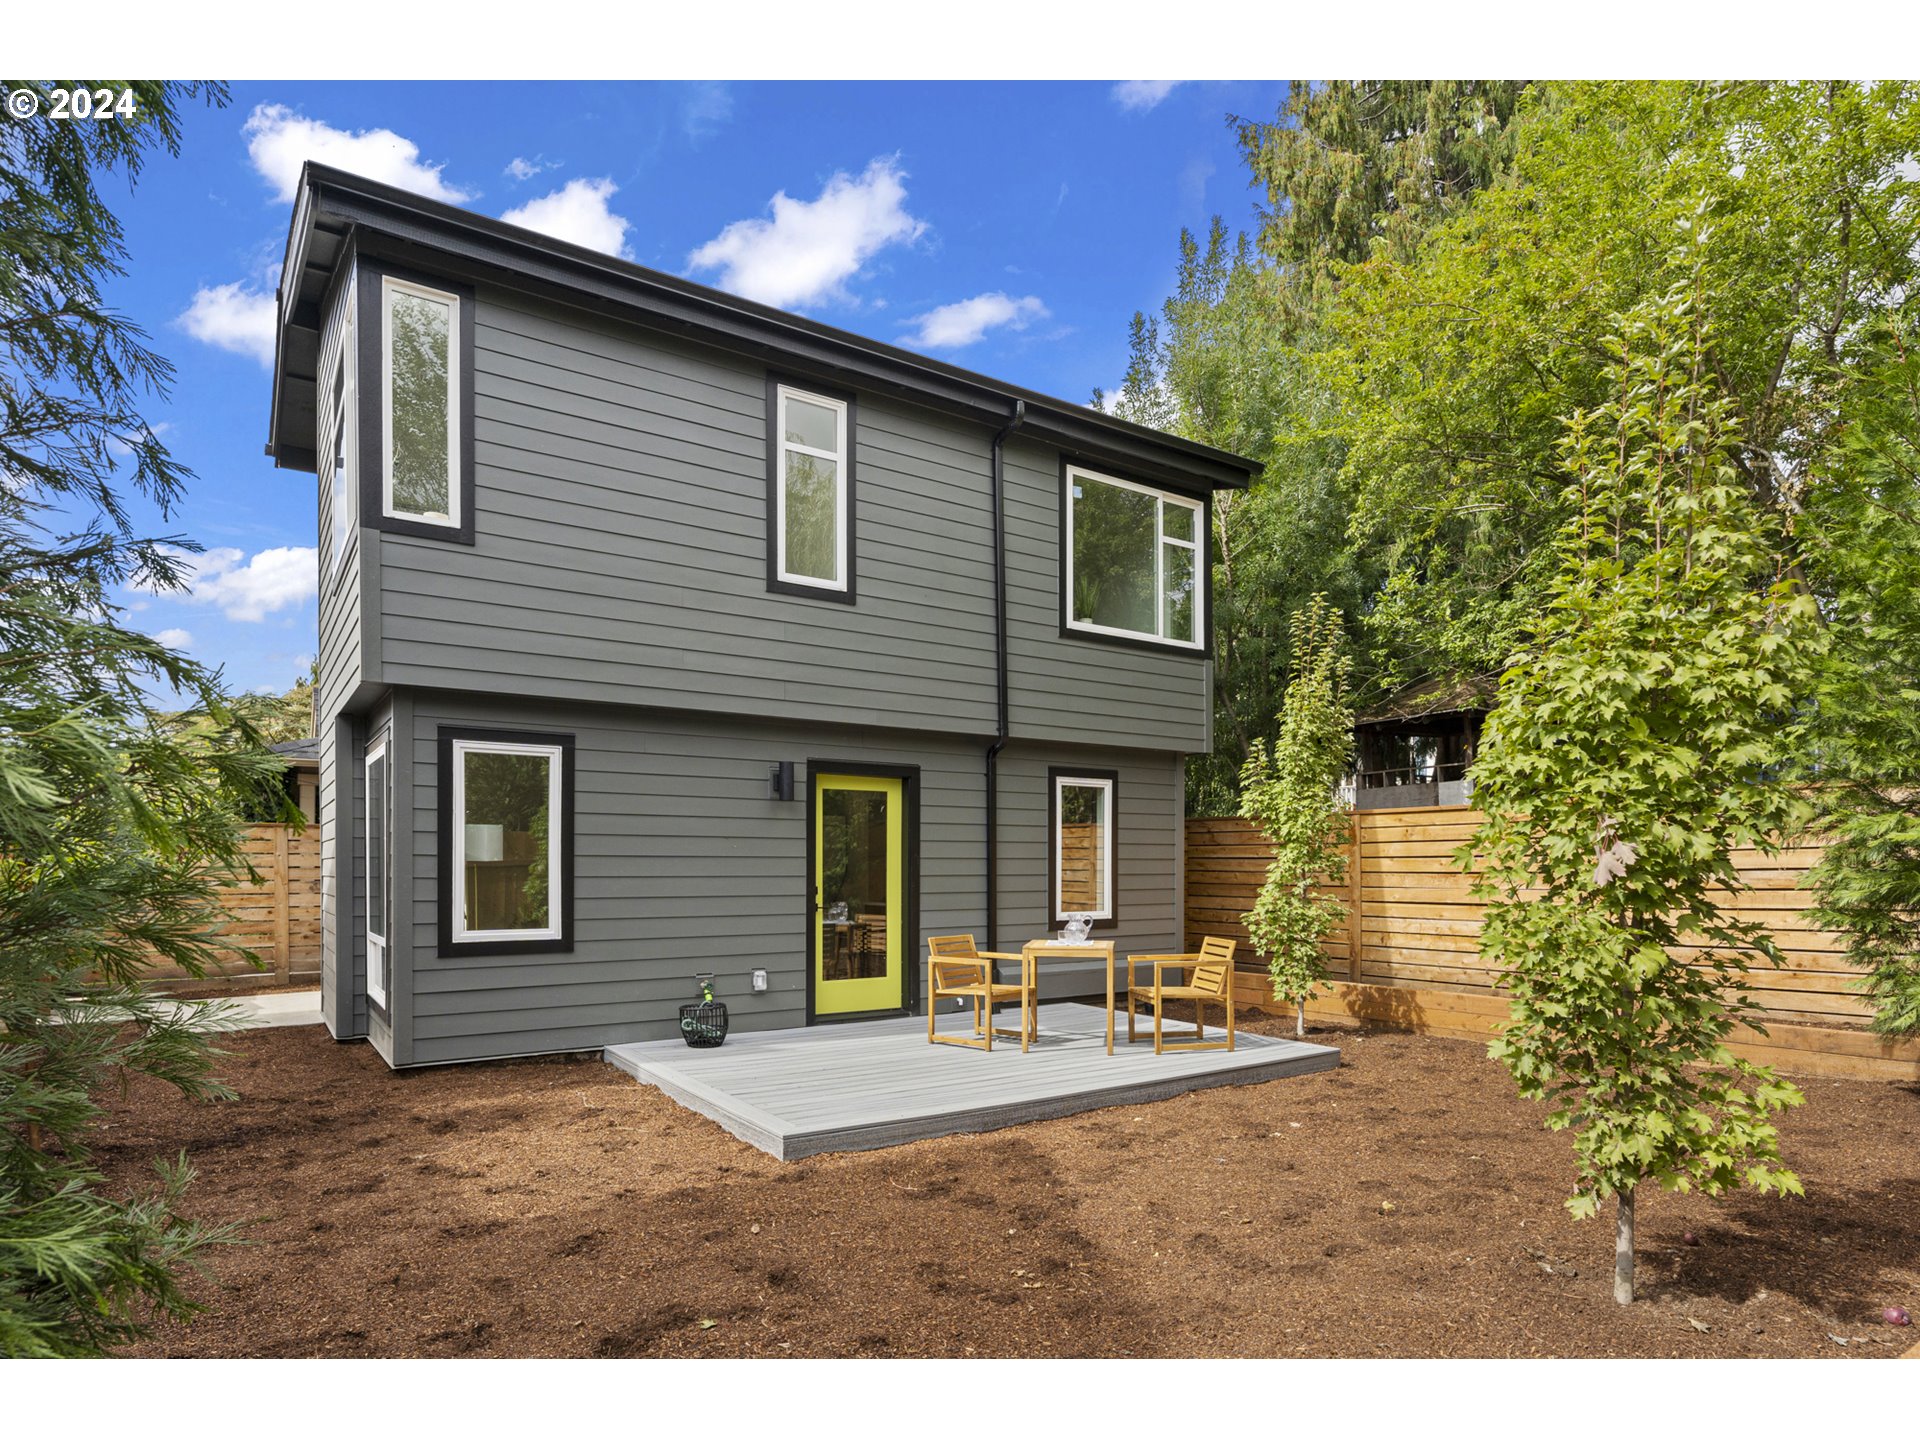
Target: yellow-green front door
859,887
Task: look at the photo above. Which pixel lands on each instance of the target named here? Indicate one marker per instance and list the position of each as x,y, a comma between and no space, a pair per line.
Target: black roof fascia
400,225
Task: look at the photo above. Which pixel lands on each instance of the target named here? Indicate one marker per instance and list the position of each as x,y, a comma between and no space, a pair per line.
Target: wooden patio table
1034,951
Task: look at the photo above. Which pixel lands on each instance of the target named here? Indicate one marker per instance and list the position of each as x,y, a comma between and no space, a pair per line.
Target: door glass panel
853,888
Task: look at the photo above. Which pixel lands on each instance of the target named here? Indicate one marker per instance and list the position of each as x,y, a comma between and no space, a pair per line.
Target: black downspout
999,671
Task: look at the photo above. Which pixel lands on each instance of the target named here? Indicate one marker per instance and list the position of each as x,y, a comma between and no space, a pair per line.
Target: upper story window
1133,561
420,410
336,459
810,492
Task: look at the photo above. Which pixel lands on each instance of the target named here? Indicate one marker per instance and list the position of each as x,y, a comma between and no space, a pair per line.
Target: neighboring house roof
298,751
1437,697
335,210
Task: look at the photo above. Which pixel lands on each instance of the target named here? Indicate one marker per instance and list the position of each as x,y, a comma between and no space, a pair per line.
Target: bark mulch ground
1406,1204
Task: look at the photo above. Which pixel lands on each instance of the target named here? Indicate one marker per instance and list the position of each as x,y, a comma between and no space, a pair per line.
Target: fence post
282,902
1353,898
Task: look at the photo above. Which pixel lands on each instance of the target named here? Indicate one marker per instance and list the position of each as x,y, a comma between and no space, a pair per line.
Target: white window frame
782,446
1161,540
389,287
556,825
1082,782
341,508
377,940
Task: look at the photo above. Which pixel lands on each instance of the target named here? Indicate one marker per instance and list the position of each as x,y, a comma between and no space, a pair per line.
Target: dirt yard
1406,1204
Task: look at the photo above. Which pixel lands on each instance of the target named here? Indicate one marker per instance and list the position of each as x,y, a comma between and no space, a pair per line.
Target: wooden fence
276,920
1410,952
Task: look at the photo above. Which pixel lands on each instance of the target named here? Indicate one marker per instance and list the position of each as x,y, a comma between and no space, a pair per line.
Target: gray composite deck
869,1085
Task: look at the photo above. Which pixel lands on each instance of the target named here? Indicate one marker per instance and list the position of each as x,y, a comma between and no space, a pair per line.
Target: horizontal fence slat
1418,931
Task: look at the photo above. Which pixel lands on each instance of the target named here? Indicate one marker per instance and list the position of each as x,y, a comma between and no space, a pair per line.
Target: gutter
1001,707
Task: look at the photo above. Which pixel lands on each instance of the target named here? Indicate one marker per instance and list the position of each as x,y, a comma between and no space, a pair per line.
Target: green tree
117,819
1352,167
1863,524
1451,362
1638,740
1290,790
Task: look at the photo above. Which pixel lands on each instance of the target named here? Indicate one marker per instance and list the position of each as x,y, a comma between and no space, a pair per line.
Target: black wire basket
703,1024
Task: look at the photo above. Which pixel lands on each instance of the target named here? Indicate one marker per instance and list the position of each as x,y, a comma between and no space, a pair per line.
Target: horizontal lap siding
1147,867
342,668
620,545
683,864
1072,689
1420,923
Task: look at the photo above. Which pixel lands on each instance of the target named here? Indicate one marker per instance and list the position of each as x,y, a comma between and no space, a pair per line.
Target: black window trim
775,585
1203,559
371,379
1055,774
449,947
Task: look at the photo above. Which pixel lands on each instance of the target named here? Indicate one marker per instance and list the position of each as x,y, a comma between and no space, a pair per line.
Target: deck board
794,1093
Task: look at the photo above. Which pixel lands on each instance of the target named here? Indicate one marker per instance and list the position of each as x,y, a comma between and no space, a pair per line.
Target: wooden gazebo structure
1416,750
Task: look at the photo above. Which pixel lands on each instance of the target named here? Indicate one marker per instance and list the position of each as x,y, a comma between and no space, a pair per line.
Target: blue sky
1012,228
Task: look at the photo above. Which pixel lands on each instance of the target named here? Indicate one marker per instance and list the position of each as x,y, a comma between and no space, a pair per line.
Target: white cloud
965,321
175,639
709,106
809,248
234,318
1142,94
250,589
280,141
521,168
577,212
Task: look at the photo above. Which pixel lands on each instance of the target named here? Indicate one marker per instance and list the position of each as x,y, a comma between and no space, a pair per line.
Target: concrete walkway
289,1007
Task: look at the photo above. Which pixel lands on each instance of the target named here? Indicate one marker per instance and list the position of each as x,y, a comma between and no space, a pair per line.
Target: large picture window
507,841
810,482
420,357
1134,561
1080,849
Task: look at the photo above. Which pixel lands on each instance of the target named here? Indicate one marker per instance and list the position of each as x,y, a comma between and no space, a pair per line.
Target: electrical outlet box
759,982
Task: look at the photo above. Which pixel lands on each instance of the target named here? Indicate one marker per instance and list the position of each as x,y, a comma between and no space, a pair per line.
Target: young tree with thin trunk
1638,741
1290,790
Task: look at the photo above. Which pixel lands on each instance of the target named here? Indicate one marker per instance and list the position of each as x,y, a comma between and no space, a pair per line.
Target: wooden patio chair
1212,983
956,970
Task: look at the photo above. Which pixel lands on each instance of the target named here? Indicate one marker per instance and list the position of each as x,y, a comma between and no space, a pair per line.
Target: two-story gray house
663,633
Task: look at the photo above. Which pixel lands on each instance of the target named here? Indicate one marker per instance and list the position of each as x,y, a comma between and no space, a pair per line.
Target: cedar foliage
118,820
1638,741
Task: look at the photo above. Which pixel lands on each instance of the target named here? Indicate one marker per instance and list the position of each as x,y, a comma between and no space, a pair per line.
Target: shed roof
1445,696
336,212
298,751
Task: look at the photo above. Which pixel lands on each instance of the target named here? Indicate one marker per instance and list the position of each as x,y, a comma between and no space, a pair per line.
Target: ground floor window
506,842
1080,847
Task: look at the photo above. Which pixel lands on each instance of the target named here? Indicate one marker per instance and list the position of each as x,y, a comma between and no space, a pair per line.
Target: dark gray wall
620,556
342,670
683,864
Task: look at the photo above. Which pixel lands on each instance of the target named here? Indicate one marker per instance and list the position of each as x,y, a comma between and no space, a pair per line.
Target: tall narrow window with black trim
1080,849
379,816
420,407
810,481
